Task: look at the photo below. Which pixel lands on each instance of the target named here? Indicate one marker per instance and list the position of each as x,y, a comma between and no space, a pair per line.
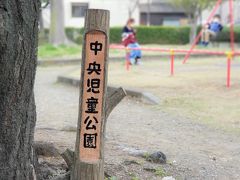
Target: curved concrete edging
145,97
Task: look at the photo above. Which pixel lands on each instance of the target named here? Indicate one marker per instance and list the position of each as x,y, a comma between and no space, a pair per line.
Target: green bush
75,34
225,35
115,35
145,35
154,35
162,35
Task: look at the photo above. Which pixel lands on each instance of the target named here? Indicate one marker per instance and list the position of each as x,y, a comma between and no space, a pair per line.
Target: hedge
154,35
224,36
145,35
163,35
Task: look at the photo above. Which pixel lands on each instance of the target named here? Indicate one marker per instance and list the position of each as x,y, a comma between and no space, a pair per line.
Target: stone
168,178
157,157
149,168
129,162
62,177
45,170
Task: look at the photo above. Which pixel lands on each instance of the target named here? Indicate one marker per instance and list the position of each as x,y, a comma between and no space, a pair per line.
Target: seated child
129,40
211,30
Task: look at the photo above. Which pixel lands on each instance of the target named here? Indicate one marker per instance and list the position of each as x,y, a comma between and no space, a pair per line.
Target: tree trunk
57,26
42,34
148,13
41,24
193,29
18,61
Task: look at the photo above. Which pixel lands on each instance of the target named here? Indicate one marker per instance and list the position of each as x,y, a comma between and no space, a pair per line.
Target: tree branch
114,99
45,4
68,156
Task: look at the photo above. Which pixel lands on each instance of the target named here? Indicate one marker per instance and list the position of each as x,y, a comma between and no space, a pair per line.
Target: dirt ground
197,90
194,150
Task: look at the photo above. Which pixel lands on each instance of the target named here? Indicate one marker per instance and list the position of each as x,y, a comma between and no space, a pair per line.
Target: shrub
154,35
115,34
163,35
75,34
145,35
225,34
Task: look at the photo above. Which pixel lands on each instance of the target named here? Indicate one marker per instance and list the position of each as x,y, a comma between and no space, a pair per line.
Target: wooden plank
92,98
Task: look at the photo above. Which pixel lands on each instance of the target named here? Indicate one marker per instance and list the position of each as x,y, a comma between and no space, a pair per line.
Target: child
129,40
211,29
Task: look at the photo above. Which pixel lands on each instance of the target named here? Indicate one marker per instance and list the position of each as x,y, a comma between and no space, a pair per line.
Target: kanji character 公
89,122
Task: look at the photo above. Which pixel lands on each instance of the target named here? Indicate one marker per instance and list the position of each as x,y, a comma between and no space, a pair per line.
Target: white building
161,12
75,11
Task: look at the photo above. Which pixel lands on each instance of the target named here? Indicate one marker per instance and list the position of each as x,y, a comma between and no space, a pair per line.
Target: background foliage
153,35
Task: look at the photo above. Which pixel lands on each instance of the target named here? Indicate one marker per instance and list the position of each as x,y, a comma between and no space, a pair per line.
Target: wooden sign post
87,162
89,152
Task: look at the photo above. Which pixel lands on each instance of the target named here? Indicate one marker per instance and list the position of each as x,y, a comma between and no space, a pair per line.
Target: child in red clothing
129,40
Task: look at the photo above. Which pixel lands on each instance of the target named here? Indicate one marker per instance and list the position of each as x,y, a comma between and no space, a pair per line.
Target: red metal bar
200,34
237,53
229,72
172,65
231,12
127,61
172,62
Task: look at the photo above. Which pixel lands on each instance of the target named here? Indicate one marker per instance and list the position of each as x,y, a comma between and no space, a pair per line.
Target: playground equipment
230,54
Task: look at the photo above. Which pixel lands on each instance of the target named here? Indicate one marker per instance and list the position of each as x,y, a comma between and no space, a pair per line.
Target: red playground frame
229,54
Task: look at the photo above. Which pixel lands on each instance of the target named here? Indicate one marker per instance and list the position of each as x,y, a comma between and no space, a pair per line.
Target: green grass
49,51
133,176
111,178
160,172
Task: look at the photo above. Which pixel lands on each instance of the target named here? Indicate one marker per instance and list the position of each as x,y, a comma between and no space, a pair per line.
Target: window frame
79,4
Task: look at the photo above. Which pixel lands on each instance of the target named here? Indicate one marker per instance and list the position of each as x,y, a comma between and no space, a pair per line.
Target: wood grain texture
96,119
114,99
95,20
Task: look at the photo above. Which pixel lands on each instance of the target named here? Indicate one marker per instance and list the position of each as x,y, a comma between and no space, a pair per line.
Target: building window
79,9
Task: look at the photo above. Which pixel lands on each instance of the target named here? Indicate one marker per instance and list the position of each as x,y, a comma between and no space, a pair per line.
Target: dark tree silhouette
18,61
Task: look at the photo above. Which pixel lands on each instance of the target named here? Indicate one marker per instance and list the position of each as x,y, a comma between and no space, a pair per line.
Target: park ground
196,124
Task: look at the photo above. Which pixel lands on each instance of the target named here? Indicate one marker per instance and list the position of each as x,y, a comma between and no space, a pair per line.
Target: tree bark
193,29
57,26
18,61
